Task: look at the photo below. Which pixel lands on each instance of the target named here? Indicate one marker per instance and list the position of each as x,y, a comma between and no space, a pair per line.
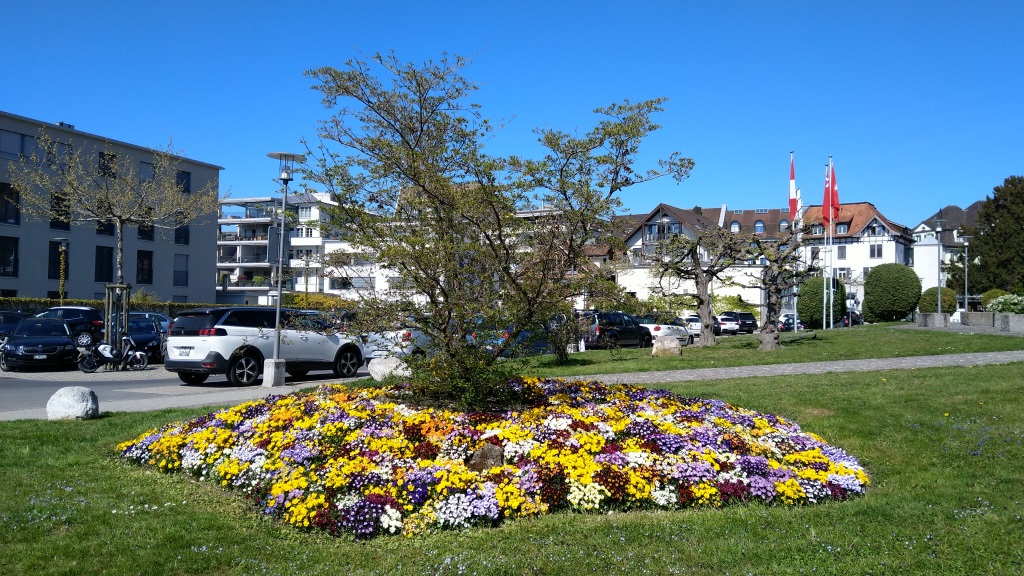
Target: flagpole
832,236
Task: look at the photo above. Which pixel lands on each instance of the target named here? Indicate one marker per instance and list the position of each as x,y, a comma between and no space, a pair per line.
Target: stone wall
982,319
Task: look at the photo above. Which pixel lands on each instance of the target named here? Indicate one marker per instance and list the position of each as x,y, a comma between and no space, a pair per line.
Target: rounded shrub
891,292
809,306
991,295
929,301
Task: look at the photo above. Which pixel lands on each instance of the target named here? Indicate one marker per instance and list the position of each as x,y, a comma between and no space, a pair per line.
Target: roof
953,218
856,215
747,219
688,218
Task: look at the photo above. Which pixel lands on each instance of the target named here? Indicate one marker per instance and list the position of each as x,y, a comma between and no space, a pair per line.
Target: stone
486,457
73,402
381,368
666,347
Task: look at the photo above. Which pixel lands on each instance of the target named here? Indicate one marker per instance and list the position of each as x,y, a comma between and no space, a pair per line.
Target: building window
108,165
181,235
146,172
184,181
53,261
783,226
104,228
180,270
841,252
144,267
8,256
60,213
876,250
759,227
841,273
146,231
104,270
10,209
866,270
734,227
842,228
305,212
817,229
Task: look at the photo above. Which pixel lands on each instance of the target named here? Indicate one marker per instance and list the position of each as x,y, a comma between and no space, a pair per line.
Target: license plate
39,357
184,351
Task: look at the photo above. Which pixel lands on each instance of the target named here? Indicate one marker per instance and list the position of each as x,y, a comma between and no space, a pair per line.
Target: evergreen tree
997,246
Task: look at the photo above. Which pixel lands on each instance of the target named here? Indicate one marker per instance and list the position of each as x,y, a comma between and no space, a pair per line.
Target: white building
176,266
952,220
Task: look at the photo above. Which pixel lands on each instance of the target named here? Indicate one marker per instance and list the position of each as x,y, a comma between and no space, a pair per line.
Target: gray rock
73,402
666,347
381,368
486,457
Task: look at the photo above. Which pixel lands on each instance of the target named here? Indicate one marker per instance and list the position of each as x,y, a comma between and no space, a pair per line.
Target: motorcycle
128,356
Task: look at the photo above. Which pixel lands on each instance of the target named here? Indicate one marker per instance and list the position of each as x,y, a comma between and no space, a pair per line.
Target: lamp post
965,238
938,279
63,248
273,369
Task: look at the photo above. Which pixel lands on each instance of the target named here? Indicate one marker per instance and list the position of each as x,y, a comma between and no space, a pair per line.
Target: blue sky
921,104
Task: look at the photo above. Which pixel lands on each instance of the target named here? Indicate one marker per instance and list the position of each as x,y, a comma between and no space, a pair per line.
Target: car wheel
3,363
83,339
243,371
646,342
189,378
347,363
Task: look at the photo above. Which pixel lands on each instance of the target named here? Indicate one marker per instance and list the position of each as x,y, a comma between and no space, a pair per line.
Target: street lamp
938,280
273,369
63,248
965,238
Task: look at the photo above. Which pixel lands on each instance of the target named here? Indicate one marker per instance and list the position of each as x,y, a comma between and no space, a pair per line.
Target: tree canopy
997,246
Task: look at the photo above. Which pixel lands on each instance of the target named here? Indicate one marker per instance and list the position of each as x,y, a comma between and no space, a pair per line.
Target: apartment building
176,265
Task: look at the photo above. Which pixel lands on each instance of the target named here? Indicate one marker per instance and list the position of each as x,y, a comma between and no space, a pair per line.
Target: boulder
381,368
73,402
486,457
666,347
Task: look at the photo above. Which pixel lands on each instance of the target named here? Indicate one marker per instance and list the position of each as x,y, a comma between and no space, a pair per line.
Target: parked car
8,320
235,341
693,324
730,325
163,319
37,342
746,320
666,326
786,324
853,318
612,329
148,337
404,340
86,323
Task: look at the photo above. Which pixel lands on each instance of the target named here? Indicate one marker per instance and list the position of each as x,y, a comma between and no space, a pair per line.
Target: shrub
991,295
929,301
891,292
1007,304
810,306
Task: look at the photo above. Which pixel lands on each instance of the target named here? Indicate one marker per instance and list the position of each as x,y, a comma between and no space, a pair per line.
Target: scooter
129,356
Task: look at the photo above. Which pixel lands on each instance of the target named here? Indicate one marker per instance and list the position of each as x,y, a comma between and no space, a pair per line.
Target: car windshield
141,327
41,329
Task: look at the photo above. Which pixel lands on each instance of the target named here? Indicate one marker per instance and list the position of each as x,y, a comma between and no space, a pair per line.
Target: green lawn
874,341
944,447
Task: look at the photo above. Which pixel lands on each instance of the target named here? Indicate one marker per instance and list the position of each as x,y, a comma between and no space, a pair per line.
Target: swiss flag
833,192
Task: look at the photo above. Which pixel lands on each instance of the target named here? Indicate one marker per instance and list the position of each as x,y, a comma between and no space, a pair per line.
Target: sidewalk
177,396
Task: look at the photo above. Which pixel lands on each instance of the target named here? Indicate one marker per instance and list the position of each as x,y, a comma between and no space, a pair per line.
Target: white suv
235,341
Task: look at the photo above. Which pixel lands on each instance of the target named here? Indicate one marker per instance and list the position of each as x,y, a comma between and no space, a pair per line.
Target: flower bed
362,462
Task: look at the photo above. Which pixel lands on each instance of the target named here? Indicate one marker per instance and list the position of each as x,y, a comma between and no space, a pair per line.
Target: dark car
746,321
148,337
786,325
163,319
86,323
37,342
614,329
853,318
8,320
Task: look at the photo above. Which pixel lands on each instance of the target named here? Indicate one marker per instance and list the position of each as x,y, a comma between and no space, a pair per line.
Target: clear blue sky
921,104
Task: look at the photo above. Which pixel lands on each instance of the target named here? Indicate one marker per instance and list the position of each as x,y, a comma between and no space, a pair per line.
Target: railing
242,238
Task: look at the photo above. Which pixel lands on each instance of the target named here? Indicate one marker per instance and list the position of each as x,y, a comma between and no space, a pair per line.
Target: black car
148,337
86,323
8,320
747,321
786,325
614,329
37,342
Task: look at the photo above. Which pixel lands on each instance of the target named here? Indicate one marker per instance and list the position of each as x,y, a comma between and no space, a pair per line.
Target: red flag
792,189
834,192
826,208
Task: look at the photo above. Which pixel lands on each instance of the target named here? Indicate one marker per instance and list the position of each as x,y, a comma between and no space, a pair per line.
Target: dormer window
842,228
817,229
783,226
734,227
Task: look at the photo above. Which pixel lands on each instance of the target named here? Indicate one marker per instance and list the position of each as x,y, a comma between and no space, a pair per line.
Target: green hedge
929,301
891,292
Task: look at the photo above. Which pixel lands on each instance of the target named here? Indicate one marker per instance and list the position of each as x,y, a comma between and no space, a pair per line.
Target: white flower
391,520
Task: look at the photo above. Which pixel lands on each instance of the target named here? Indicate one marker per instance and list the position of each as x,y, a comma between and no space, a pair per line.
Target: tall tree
997,245
701,258
89,185
488,242
783,270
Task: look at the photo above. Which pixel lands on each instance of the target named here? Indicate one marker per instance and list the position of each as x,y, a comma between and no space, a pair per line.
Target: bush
891,292
929,301
991,295
1007,304
810,306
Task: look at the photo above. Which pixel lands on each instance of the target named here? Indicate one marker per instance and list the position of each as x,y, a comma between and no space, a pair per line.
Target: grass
862,342
945,448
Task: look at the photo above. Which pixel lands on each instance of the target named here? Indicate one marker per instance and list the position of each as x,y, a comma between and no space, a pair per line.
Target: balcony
234,237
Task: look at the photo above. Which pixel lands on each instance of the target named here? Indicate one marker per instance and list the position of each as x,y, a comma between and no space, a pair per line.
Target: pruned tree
492,246
783,270
99,186
701,258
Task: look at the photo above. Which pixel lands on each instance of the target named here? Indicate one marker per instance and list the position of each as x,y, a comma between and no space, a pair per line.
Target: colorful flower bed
362,462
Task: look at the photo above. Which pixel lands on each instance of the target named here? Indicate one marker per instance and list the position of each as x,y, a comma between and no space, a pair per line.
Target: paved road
220,393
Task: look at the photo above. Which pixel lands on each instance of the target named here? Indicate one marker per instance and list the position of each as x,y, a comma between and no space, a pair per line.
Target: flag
799,209
826,203
792,189
833,191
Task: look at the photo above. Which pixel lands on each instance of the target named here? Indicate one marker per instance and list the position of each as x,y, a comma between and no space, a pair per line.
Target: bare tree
702,258
783,270
67,184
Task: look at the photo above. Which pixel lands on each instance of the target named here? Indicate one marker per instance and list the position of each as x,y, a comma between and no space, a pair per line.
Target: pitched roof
953,218
856,216
688,218
748,219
